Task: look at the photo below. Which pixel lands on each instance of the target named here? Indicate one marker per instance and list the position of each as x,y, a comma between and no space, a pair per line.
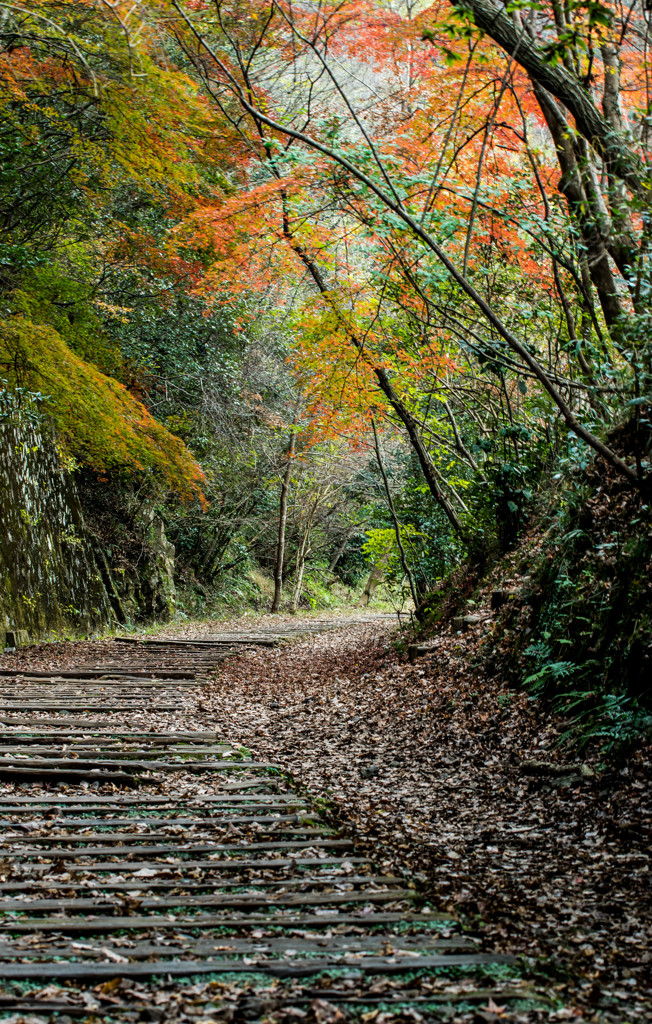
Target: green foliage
95,417
589,649
102,149
64,302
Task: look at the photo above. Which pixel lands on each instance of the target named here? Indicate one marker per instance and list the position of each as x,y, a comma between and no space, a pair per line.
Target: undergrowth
578,632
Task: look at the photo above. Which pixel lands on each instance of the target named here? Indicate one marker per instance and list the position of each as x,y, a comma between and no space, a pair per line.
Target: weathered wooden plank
118,753
304,997
95,673
235,864
205,822
102,708
156,738
390,944
95,851
192,885
302,899
36,813
99,684
220,644
255,802
137,837
155,766
66,775
21,847
187,968
93,702
228,791
90,723
103,925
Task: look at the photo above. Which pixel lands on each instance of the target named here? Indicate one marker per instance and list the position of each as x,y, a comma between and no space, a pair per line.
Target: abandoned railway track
151,870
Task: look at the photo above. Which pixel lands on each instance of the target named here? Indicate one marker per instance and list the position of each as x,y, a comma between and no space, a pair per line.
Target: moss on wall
49,578
55,577
98,421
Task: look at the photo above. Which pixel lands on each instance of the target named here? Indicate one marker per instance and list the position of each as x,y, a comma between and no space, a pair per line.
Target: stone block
419,651
16,638
466,621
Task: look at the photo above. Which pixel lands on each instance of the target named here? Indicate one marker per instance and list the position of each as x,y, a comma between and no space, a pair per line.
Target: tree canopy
232,225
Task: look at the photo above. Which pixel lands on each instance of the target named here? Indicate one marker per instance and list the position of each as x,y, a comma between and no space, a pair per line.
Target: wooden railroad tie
216,851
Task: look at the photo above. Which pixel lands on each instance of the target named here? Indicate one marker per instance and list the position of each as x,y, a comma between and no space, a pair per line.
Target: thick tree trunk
582,207
558,80
282,523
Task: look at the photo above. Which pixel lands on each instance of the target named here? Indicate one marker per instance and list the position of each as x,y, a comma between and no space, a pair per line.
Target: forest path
154,870
439,770
421,768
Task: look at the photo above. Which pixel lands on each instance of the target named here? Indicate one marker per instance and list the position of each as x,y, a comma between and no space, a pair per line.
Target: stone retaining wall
54,578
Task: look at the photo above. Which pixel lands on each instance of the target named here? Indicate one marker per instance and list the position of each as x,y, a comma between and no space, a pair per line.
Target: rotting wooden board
185,968
228,798
305,997
62,1007
97,673
227,790
56,775
207,822
155,738
231,864
297,807
203,644
23,852
91,925
128,837
119,754
67,723
135,765
389,944
126,683
410,996
121,747
79,884
231,902
96,707
63,694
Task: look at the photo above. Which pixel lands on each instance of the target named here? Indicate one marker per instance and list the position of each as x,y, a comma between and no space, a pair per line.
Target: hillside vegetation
353,300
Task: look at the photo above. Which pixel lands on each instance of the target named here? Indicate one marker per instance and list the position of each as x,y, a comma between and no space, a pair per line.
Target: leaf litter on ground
426,766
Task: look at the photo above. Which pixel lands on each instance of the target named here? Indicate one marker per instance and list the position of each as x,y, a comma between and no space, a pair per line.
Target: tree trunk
375,576
397,525
302,554
425,461
582,208
342,548
500,26
282,522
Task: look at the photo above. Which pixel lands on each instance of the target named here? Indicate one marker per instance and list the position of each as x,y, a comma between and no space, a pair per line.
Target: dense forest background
348,295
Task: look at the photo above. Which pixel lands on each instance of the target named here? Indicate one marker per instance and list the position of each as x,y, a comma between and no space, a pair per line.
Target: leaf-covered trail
428,765
212,889
430,768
